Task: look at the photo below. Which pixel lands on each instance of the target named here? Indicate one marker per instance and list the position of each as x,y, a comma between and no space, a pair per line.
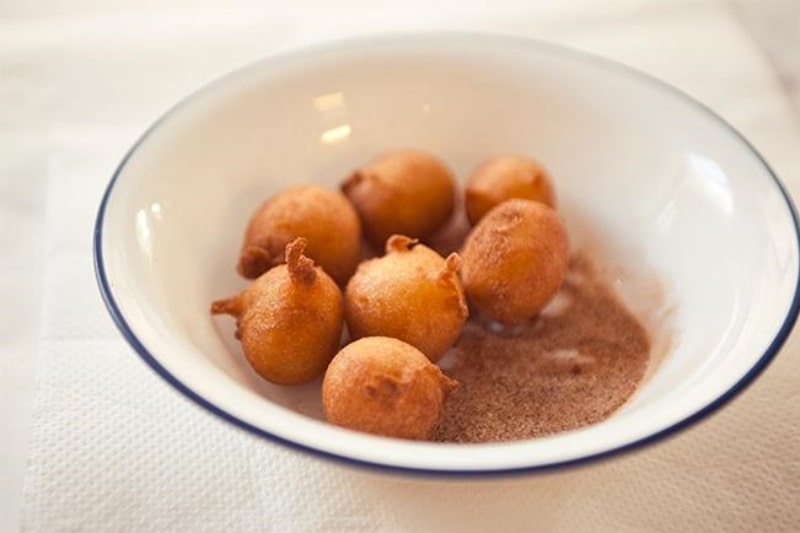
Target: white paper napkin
114,448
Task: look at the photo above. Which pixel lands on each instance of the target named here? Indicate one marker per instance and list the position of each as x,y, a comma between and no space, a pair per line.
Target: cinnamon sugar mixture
572,365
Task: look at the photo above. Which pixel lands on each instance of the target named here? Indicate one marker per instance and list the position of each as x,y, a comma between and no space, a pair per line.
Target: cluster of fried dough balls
412,294
323,217
384,386
289,320
403,310
405,192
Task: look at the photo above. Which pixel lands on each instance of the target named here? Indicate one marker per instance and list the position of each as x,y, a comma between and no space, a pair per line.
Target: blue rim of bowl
454,38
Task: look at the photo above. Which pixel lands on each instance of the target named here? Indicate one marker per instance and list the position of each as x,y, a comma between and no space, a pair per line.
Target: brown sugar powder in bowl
563,370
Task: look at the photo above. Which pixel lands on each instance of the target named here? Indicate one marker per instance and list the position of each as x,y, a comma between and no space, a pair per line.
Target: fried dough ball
502,178
408,192
411,294
324,217
386,387
289,320
515,260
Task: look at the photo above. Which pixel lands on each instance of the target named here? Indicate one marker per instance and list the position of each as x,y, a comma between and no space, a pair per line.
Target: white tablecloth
112,447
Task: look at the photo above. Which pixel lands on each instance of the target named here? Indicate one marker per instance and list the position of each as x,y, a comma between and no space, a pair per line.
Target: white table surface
86,67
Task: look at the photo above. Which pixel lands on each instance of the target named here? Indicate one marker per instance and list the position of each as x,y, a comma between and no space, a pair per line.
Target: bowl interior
648,178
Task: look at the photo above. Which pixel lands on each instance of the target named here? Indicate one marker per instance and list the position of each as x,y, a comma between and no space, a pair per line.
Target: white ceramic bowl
652,176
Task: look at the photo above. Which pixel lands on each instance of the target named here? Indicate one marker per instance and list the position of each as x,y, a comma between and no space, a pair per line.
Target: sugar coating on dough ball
412,294
289,320
515,260
384,386
407,192
323,217
502,178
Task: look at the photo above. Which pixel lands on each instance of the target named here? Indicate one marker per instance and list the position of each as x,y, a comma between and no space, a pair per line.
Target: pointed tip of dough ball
228,306
400,243
301,268
255,259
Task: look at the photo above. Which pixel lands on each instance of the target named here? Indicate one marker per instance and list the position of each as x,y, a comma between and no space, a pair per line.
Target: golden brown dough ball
408,192
289,320
515,260
411,294
324,217
386,387
505,177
